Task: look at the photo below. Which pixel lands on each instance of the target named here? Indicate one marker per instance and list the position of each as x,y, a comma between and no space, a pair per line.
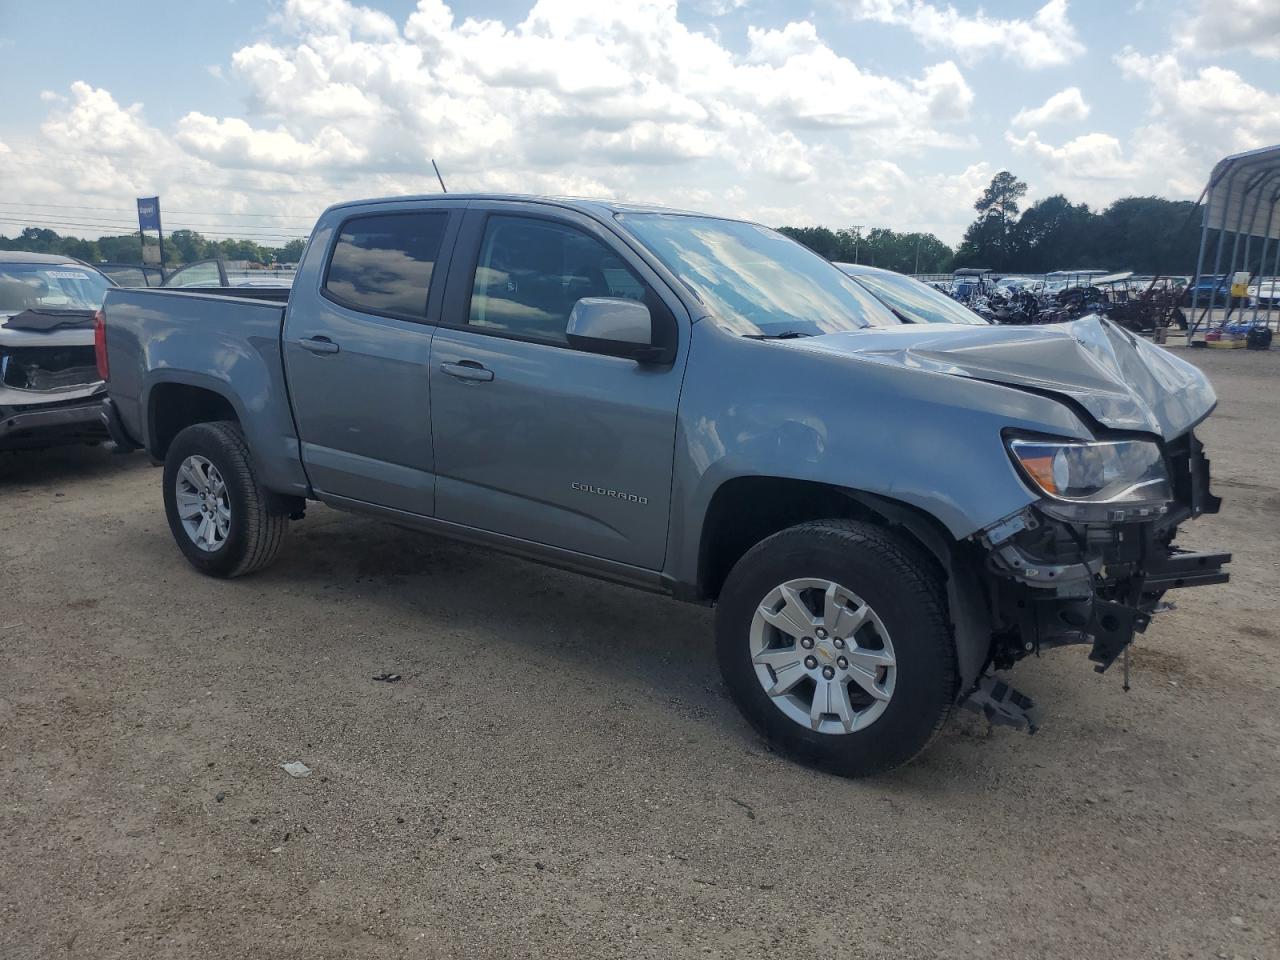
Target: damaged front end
1091,561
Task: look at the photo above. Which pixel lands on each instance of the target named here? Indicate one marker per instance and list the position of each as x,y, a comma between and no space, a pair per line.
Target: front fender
927,439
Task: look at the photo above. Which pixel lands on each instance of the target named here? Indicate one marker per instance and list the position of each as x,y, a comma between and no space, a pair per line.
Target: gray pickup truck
884,513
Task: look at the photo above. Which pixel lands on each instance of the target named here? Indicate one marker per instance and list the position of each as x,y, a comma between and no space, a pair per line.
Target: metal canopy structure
1240,206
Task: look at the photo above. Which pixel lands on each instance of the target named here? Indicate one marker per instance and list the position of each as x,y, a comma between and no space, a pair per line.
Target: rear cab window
383,263
204,273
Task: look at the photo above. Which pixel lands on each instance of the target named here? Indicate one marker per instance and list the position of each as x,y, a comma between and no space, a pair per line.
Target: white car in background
1265,292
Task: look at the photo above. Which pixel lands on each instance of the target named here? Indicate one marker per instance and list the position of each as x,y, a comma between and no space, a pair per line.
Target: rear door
535,439
357,345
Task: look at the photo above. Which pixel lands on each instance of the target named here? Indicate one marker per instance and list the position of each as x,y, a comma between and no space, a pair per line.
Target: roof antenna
438,177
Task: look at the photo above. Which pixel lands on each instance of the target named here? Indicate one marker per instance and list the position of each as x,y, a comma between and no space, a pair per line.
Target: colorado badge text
606,492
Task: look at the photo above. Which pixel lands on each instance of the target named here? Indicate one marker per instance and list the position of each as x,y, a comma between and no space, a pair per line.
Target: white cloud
944,89
94,118
328,18
1046,39
1192,118
778,46
236,144
1064,106
579,97
1093,156
1207,113
1223,25
602,90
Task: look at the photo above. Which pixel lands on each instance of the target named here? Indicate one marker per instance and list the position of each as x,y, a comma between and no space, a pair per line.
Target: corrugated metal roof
1243,193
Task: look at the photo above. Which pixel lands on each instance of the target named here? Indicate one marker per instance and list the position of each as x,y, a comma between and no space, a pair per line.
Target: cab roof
22,256
862,269
596,206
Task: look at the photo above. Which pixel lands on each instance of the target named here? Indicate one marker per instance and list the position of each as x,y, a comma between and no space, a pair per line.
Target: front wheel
224,522
834,642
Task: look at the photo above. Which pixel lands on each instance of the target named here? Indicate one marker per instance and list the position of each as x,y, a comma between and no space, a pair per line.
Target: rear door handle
317,344
468,370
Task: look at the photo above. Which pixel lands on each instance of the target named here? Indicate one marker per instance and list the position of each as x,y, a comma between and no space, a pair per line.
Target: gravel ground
560,773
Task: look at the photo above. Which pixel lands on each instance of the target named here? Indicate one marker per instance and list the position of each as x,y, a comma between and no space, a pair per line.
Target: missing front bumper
34,426
1055,584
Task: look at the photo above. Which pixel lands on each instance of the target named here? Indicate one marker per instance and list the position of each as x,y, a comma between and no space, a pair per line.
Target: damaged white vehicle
50,390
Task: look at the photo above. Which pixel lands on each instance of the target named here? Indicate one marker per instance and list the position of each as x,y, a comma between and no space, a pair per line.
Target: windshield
916,301
755,281
50,286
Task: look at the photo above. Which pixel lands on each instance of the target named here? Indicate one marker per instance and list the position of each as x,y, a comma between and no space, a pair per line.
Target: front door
535,439
358,355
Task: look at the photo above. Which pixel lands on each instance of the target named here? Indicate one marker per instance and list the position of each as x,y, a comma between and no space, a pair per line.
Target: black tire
903,587
258,519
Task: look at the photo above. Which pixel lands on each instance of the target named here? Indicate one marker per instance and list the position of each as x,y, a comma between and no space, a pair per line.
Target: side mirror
615,327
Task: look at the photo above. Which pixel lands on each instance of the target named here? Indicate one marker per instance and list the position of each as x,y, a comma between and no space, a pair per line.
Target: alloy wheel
202,503
823,656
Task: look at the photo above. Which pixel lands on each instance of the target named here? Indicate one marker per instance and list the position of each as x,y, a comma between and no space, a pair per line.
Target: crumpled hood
1123,381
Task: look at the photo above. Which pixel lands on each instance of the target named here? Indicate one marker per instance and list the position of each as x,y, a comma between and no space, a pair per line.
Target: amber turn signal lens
1041,471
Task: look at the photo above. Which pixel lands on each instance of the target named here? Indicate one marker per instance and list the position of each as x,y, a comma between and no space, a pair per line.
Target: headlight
1115,473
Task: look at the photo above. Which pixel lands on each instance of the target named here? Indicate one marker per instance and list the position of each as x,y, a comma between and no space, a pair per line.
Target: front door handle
468,370
317,344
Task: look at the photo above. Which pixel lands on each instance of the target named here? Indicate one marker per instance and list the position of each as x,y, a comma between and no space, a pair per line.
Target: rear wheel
834,641
224,522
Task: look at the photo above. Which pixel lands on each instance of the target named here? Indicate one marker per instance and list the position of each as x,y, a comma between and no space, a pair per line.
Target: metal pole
1195,291
160,231
1235,250
1253,184
1264,181
919,237
1275,270
1217,267
1262,261
1217,263
1229,175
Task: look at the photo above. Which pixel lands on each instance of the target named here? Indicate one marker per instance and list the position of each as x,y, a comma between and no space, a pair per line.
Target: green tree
185,246
820,240
1152,235
1052,234
291,252
121,249
990,240
905,252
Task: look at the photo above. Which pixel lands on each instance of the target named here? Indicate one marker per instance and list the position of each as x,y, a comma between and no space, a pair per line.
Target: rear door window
383,264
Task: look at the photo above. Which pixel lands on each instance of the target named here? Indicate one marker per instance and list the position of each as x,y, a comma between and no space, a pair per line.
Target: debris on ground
387,677
751,813
296,768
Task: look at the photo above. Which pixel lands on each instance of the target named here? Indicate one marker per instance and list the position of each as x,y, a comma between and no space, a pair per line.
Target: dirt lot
560,773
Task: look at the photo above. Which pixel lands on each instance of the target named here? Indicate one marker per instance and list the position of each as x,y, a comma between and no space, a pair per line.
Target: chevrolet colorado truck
883,513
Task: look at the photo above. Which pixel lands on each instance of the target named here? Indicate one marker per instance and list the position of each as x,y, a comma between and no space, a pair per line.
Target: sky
249,118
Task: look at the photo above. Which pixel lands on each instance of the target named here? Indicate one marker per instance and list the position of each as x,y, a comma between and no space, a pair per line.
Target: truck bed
165,345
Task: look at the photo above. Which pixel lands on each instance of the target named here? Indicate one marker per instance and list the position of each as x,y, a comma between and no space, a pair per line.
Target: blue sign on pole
148,213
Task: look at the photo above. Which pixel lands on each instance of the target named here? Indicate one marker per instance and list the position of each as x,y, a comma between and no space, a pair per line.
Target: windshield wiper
788,335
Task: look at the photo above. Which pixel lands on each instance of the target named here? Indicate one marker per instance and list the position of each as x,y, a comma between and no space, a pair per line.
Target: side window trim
439,270
456,310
